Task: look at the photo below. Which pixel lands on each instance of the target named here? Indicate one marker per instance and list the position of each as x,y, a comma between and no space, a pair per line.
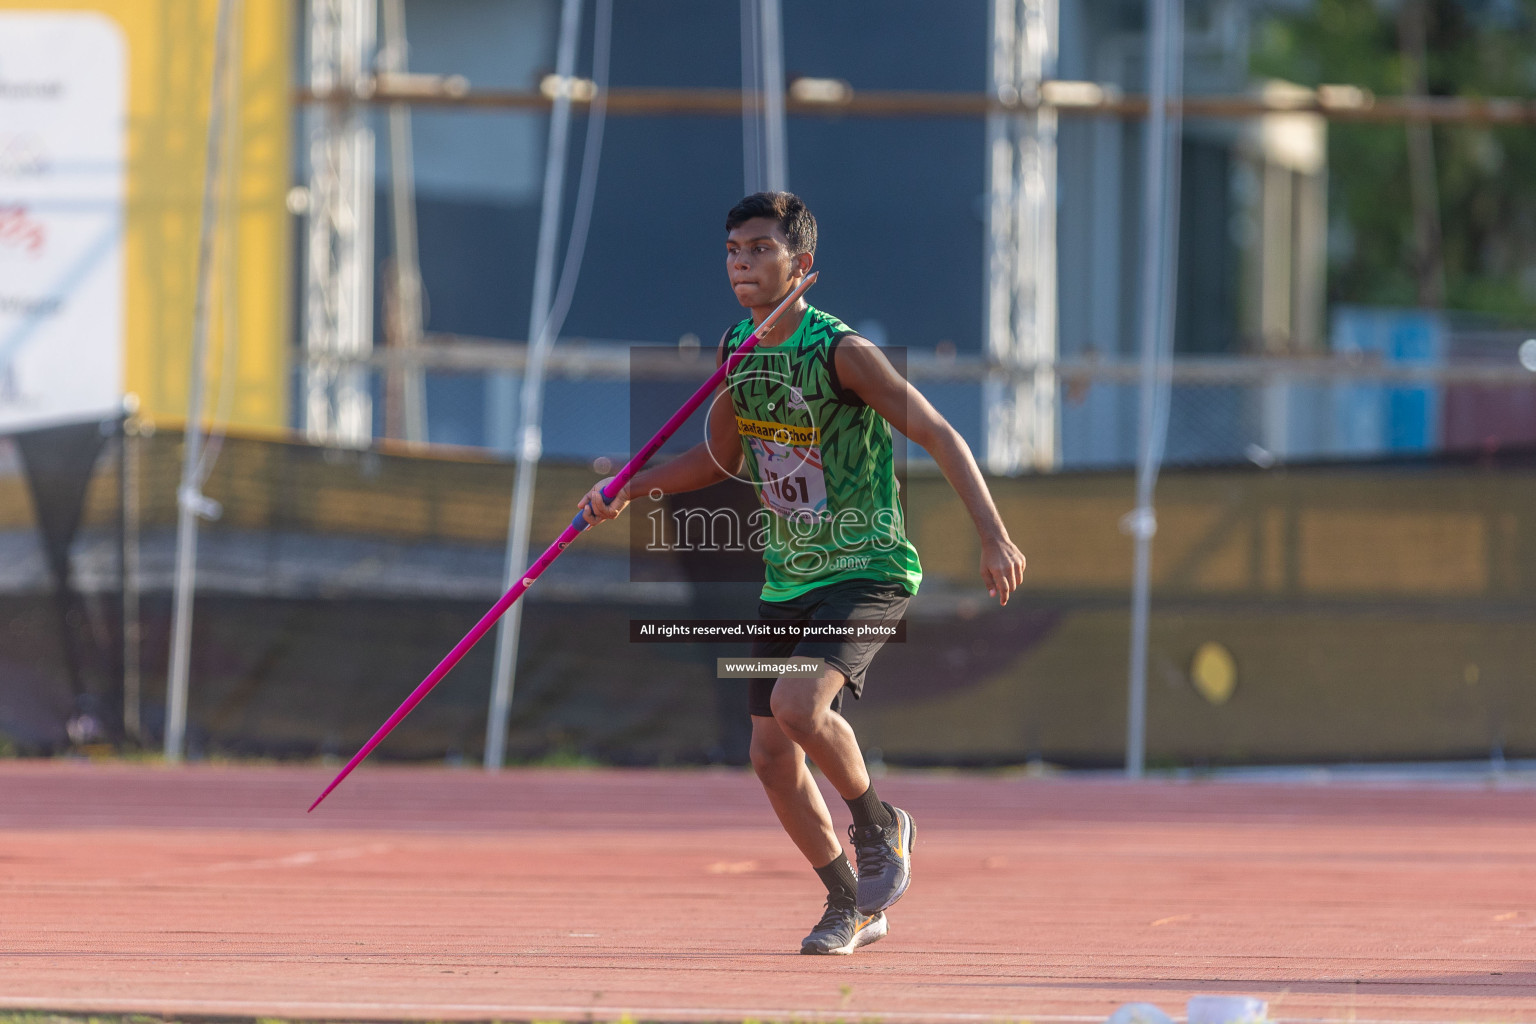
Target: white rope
586,189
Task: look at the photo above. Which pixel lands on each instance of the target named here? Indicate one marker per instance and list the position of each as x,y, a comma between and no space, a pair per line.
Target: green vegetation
40,1017
1486,191
139,1018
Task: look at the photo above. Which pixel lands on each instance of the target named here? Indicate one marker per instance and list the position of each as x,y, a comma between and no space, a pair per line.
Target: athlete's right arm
718,458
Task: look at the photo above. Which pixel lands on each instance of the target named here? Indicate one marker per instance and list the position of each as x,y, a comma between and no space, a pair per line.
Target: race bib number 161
789,466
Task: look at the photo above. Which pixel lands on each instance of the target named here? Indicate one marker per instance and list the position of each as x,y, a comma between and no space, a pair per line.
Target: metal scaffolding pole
190,502
1159,279
1020,417
338,406
1346,103
530,442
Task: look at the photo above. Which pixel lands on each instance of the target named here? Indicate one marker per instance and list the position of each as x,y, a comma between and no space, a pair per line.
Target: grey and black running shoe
884,859
842,929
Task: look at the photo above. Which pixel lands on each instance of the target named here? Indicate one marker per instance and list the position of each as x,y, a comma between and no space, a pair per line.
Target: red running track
447,894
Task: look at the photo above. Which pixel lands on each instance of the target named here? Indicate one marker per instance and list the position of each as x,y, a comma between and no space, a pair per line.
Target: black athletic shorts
868,600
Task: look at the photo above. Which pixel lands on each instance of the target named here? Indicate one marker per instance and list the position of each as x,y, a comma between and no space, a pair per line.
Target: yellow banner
168,49
779,433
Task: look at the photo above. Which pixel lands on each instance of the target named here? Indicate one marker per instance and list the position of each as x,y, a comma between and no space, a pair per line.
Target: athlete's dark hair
788,209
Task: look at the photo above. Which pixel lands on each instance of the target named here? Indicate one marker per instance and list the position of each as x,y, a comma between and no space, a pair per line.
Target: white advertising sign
62,183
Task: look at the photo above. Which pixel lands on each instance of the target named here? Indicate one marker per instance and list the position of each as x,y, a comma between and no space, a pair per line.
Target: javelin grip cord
576,527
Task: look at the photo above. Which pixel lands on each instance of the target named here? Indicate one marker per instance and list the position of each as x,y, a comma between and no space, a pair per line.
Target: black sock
838,878
868,810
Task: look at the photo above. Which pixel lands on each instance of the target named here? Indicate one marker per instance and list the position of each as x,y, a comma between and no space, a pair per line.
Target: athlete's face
758,260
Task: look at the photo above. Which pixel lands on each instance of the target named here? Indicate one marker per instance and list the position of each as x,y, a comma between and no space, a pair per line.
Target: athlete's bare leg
803,709
780,766
804,722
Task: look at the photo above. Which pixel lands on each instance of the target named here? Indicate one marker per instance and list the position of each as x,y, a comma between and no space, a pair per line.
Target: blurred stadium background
1345,562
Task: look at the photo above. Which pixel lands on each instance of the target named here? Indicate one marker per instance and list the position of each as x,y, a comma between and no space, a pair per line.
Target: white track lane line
492,1011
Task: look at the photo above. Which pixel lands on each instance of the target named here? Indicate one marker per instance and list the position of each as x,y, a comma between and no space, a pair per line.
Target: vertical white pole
402,181
1036,284
771,64
765,147
530,442
320,281
1103,409
1001,255
1019,416
188,497
339,283
354,236
751,99
1159,277
132,679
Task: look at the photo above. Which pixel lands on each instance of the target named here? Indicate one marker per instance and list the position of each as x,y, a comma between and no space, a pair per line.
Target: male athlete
808,414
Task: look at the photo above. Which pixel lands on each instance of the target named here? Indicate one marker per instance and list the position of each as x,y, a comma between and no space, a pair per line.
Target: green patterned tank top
821,462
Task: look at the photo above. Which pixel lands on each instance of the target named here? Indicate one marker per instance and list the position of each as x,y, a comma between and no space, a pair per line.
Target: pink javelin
552,552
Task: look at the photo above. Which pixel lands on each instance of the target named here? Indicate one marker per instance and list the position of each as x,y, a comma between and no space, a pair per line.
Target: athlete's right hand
594,509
